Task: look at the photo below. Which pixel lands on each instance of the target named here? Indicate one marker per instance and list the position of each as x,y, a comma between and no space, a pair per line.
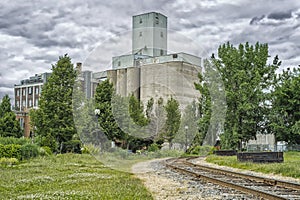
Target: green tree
247,78
9,126
205,110
54,119
285,121
103,101
136,111
156,115
5,105
189,125
173,120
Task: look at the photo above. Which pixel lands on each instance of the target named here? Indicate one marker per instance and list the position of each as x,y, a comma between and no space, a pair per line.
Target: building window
161,34
141,34
21,123
17,103
18,92
24,92
24,103
30,90
141,21
30,103
161,52
119,63
36,102
36,90
156,20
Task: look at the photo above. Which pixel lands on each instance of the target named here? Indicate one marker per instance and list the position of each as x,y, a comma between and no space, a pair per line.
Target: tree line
259,98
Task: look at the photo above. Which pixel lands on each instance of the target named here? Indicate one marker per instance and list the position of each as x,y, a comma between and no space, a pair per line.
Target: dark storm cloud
280,15
255,20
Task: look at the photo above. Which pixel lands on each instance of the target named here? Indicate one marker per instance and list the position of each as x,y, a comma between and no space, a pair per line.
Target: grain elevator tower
149,35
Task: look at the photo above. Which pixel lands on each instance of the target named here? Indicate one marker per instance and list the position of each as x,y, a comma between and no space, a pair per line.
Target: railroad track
258,186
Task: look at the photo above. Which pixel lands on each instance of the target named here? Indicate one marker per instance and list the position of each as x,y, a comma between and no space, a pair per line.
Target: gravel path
166,184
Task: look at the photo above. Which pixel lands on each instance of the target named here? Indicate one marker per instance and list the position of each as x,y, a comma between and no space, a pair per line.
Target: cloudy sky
33,34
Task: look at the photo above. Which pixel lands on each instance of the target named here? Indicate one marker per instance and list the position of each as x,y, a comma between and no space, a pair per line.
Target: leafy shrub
29,151
72,146
200,150
48,141
46,151
13,140
10,151
153,147
8,161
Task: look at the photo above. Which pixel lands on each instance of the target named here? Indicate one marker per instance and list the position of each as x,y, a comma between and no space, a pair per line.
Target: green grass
290,166
68,176
122,160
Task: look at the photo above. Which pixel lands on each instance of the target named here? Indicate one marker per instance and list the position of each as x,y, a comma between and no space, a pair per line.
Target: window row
30,103
29,90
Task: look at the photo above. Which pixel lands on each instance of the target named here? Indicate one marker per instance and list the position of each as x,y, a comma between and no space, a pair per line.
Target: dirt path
163,184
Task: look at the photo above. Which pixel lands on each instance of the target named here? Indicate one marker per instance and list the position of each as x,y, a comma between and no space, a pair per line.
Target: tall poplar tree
247,79
285,121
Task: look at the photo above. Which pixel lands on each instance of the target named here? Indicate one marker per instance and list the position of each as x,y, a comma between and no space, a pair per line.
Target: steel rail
227,184
269,181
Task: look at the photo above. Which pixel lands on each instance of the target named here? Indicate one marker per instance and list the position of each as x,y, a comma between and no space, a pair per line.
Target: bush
10,151
8,161
12,140
72,146
46,151
153,147
48,141
29,151
200,150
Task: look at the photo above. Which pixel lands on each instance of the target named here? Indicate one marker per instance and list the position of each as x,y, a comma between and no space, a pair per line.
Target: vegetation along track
259,186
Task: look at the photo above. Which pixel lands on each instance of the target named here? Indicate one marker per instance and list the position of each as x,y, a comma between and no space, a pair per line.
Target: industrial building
150,72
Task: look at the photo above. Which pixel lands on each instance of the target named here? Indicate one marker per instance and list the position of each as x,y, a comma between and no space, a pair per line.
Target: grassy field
290,166
68,176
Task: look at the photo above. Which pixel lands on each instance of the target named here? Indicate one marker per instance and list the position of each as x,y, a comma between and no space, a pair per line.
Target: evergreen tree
9,126
173,120
5,105
136,111
54,119
104,100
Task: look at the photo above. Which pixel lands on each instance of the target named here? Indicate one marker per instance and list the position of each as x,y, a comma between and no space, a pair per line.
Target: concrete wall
157,80
174,79
123,61
121,84
133,81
